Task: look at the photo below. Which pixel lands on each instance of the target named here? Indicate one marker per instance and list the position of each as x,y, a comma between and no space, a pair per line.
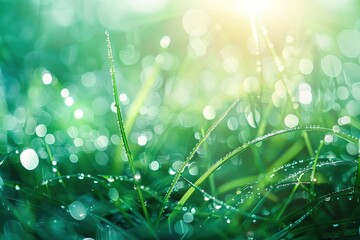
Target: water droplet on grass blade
188,217
77,210
29,159
209,112
291,120
113,194
1,183
328,138
165,41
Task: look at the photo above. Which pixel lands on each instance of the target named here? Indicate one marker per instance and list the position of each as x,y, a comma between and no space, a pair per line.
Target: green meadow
160,119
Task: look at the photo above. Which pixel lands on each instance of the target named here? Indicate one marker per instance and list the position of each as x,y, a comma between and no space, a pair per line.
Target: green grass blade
244,147
312,177
189,157
289,154
289,199
357,179
141,97
121,126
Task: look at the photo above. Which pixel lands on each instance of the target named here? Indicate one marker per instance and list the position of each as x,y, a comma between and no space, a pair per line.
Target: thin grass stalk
312,177
357,180
122,129
189,157
289,199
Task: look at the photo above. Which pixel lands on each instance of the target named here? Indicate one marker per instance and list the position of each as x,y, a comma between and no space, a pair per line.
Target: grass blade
312,177
244,147
189,157
121,127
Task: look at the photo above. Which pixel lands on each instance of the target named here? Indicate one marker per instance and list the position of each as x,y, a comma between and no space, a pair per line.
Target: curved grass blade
357,180
121,126
189,157
245,146
312,177
6,156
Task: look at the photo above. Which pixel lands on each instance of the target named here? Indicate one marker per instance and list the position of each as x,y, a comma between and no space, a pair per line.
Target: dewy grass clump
237,120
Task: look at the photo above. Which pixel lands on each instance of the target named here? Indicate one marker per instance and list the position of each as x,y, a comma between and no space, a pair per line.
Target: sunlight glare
252,7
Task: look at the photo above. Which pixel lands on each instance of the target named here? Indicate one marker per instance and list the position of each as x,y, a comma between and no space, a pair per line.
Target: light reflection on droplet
102,142
328,138
41,130
209,112
154,165
165,41
252,116
1,183
193,169
291,120
47,78
78,113
188,217
50,139
113,194
64,92
69,101
29,159
78,142
344,120
77,210
142,140
137,176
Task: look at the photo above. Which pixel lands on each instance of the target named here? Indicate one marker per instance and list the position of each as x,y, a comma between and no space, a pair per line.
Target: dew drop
137,176
110,179
77,210
336,129
206,197
188,217
113,194
291,121
29,159
1,183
